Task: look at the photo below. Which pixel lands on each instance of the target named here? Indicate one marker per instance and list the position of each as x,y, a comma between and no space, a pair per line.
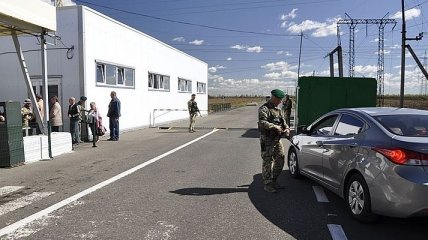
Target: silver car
374,158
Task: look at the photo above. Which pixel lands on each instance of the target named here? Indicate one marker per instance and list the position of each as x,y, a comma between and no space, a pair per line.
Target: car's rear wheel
358,199
293,164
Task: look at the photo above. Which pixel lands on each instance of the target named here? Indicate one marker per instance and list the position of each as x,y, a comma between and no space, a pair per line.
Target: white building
107,56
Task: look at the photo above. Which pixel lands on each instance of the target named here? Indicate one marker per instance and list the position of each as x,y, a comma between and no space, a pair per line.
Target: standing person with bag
114,115
94,120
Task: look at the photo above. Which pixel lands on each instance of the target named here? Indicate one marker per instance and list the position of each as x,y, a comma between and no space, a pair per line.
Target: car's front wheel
293,164
357,197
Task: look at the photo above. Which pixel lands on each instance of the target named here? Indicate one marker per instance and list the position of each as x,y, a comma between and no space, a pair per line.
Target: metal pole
403,54
46,124
296,118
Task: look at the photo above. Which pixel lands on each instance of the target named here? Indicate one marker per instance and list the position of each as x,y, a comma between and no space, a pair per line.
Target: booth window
114,76
202,87
158,82
184,85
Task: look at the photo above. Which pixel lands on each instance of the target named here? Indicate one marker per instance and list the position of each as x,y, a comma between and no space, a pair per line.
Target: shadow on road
293,209
251,133
208,191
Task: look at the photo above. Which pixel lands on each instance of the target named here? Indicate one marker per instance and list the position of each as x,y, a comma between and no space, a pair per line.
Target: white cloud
196,42
239,47
384,52
319,29
281,75
279,66
64,2
215,68
179,39
255,49
290,15
284,52
251,86
409,14
366,71
229,59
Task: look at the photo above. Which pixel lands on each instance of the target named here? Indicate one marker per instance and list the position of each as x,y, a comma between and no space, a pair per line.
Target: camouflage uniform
193,110
272,150
27,115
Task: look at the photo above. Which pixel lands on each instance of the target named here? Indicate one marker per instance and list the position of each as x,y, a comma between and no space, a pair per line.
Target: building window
184,85
202,87
101,73
112,75
158,82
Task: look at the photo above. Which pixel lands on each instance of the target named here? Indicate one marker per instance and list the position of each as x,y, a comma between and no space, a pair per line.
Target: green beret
278,93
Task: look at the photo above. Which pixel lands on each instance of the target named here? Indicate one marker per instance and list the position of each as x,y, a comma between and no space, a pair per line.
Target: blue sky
244,63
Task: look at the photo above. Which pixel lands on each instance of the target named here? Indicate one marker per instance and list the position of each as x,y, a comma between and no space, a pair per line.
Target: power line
189,23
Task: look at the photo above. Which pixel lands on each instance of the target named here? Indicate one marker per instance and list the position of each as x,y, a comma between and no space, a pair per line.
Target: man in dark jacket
114,114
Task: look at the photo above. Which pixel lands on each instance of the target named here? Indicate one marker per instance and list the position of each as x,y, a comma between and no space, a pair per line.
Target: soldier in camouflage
193,109
272,126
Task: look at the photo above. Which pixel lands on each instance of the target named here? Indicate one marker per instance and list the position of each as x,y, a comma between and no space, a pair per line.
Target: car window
405,125
348,125
324,126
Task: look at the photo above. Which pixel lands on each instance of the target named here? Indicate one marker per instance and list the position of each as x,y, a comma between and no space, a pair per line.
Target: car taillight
403,156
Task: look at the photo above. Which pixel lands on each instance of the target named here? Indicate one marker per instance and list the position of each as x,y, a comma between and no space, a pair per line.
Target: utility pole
403,54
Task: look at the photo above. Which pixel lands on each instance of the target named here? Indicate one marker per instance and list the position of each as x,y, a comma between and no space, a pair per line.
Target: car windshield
405,125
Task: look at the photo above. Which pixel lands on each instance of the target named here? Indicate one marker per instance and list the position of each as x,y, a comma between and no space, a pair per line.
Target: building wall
109,41
98,38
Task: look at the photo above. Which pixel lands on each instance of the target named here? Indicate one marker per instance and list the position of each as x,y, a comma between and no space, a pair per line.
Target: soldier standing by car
272,126
286,107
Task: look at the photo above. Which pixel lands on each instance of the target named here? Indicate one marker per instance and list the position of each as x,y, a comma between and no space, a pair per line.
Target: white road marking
320,194
22,202
9,189
336,232
21,223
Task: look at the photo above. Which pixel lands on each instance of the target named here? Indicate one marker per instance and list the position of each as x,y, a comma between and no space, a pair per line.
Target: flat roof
26,16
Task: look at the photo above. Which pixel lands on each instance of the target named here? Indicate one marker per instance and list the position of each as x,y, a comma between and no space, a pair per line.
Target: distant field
235,101
410,101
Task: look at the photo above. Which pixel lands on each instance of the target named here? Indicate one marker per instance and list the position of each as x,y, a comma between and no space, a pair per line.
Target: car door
341,149
310,161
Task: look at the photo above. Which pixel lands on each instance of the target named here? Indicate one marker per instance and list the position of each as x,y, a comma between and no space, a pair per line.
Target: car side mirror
302,129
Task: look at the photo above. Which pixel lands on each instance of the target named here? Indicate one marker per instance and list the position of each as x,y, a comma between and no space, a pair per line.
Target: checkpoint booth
36,18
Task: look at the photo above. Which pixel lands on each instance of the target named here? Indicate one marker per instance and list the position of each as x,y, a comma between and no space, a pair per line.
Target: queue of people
77,114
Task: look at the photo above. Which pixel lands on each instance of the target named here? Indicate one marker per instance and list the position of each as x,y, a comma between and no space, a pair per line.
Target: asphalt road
209,188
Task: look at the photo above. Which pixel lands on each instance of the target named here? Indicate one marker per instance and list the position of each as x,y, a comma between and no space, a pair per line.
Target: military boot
269,188
276,185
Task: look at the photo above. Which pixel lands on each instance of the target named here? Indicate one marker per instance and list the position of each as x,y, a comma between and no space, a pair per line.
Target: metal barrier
220,107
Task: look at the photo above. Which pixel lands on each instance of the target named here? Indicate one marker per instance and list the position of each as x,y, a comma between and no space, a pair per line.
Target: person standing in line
27,115
193,109
94,120
41,107
73,114
83,121
114,115
287,104
55,114
272,126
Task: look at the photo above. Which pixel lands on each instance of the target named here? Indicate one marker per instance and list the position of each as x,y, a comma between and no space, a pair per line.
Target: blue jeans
114,128
74,130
